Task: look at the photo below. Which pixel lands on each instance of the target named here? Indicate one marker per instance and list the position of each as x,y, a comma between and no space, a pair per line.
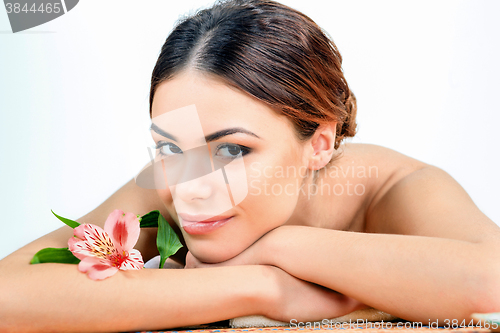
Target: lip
202,224
203,218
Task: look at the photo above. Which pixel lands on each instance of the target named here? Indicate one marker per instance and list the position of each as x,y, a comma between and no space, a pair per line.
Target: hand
193,262
288,297
244,258
255,254
293,298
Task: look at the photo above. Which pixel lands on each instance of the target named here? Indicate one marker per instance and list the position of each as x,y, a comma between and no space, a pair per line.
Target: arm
434,256
412,277
58,298
129,198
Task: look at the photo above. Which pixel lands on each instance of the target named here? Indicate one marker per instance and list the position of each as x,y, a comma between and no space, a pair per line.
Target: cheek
273,191
166,197
274,195
164,194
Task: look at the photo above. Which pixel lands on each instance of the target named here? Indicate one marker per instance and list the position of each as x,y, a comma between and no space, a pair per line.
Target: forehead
217,104
180,125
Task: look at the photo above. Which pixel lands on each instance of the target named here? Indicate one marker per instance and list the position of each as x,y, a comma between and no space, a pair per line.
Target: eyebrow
210,137
162,132
228,131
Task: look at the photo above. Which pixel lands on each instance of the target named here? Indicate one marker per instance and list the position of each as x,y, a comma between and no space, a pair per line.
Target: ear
322,145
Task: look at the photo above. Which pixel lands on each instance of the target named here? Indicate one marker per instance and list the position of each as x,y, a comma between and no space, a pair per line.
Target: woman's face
257,154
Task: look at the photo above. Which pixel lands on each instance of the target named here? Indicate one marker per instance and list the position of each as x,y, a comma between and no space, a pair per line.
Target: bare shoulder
386,166
411,197
429,202
386,158
360,175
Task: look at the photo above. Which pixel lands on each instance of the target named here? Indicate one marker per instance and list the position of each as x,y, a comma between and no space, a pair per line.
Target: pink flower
104,252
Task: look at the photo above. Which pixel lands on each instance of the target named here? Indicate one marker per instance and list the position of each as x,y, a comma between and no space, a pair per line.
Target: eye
231,151
168,149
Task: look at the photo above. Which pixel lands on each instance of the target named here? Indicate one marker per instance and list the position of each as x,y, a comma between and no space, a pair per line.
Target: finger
190,261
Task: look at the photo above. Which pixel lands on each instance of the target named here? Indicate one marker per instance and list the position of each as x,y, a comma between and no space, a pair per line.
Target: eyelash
244,149
163,144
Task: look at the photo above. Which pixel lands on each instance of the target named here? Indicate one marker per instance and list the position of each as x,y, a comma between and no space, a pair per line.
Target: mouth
202,224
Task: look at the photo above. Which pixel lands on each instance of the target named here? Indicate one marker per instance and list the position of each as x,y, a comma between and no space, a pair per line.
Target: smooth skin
413,244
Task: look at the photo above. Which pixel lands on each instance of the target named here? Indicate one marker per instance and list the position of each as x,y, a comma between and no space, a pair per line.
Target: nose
195,189
189,174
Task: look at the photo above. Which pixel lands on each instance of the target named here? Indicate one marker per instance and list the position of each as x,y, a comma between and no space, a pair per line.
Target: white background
74,97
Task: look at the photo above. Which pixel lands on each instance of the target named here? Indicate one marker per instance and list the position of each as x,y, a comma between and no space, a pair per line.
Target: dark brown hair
270,51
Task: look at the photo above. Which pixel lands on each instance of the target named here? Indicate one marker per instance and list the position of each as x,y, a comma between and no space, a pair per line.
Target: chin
210,254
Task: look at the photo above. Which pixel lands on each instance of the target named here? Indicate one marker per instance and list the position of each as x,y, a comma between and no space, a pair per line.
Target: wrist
271,246
265,294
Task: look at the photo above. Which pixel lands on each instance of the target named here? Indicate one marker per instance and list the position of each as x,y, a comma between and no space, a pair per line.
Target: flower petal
97,269
102,272
88,262
133,261
123,228
110,223
79,248
112,218
99,240
95,243
78,231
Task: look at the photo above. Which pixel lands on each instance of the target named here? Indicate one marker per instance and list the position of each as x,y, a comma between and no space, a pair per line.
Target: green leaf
167,241
68,222
150,220
50,254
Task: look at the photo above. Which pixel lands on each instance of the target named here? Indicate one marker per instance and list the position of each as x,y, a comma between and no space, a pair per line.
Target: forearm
415,278
58,297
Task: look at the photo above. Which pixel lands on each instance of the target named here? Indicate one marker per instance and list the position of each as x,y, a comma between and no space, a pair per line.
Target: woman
323,229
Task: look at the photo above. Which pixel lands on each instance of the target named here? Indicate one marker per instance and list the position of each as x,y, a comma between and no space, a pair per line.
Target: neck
307,203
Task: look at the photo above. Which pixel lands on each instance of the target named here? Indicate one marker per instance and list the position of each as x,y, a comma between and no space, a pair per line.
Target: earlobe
322,143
